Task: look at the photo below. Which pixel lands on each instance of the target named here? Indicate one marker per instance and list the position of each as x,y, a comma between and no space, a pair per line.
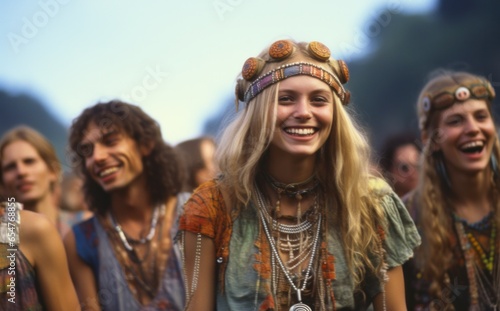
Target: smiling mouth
108,171
472,147
300,131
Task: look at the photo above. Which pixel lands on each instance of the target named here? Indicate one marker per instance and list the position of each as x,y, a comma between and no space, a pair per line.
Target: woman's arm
394,292
199,252
82,276
46,249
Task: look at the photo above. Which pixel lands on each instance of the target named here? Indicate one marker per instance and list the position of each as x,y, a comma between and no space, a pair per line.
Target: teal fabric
245,290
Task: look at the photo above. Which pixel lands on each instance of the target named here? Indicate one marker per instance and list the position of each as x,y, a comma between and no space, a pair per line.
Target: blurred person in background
124,258
456,204
30,171
72,206
198,157
399,161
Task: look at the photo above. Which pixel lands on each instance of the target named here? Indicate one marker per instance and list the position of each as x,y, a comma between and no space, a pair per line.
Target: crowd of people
289,209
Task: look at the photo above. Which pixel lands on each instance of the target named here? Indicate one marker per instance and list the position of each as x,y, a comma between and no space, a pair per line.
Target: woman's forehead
468,106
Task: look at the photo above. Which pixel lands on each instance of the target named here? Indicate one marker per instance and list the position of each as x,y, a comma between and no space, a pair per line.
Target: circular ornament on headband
319,50
251,68
462,93
426,104
281,49
344,71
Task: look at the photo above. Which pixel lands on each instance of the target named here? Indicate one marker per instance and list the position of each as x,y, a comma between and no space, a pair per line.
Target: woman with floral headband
456,203
294,221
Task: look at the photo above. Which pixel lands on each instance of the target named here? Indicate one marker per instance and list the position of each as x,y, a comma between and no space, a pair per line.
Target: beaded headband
462,93
290,70
282,49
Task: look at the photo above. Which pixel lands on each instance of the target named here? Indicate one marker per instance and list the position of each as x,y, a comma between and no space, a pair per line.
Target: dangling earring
441,169
494,165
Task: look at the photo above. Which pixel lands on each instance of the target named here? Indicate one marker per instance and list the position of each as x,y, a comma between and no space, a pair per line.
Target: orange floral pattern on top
206,213
262,266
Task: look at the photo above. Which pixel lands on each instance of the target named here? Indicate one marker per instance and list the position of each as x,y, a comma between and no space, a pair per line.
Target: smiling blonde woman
294,221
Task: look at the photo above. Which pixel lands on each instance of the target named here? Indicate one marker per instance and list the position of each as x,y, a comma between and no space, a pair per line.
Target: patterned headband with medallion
446,99
282,49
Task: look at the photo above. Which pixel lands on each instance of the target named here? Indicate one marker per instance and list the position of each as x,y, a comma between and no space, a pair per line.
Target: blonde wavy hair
434,213
343,166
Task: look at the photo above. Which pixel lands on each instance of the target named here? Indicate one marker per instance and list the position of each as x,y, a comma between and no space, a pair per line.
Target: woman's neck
471,195
291,170
44,206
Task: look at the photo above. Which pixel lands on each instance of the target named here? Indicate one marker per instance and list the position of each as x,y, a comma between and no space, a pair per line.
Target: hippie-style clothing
473,278
122,280
16,272
247,270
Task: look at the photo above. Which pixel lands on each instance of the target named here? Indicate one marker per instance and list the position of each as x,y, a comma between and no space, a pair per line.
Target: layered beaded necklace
152,230
293,242
484,284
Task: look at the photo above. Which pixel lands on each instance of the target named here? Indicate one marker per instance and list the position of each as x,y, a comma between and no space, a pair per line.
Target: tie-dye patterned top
244,255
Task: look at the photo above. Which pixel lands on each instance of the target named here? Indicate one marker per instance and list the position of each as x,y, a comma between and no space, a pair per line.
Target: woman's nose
302,110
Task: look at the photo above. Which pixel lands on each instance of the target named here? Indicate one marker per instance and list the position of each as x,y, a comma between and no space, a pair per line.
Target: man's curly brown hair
162,168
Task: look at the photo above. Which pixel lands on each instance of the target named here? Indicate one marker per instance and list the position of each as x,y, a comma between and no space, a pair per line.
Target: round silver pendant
300,307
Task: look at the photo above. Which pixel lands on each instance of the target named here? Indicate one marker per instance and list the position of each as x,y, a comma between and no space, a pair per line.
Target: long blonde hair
434,215
343,166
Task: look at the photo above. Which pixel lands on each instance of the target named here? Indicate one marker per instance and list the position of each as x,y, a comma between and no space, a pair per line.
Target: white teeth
300,131
108,171
472,144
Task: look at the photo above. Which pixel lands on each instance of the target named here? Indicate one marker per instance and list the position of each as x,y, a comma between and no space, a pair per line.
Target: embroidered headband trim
295,69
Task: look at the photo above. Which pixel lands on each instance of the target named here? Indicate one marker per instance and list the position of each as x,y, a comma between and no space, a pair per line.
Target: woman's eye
482,116
453,121
319,99
285,98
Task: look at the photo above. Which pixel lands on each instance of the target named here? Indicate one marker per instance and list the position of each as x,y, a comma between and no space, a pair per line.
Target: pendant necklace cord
293,189
131,251
152,229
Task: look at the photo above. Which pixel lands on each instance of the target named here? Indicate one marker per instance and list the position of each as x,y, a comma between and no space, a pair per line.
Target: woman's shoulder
401,235
207,200
379,186
211,186
207,193
35,226
205,211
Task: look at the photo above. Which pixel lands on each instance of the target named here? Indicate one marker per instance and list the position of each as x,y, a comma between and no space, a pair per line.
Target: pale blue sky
178,60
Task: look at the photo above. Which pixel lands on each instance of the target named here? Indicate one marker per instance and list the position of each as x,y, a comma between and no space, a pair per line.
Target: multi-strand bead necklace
483,288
